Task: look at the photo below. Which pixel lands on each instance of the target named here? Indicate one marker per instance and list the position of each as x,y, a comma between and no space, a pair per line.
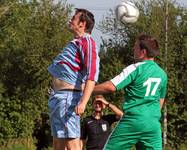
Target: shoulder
164,75
131,68
134,66
76,42
108,117
87,119
162,71
87,40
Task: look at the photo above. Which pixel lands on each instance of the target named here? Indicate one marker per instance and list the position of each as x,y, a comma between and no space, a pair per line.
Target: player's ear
82,24
144,52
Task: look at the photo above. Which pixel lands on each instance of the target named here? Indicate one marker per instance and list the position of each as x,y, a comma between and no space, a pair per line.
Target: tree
31,33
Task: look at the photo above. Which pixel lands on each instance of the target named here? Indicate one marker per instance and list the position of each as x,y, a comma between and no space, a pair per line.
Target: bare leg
66,144
73,144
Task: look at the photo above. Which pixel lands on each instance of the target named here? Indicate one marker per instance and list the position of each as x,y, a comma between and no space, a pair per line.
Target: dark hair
88,17
150,44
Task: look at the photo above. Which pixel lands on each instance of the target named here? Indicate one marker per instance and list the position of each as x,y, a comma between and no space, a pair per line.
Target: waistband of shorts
70,90
51,91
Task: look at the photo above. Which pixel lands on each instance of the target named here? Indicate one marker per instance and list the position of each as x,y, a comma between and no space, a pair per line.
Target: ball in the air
127,12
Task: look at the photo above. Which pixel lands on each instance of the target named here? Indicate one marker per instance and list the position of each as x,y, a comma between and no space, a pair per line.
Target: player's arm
112,107
163,92
105,87
118,82
161,103
91,63
116,110
89,86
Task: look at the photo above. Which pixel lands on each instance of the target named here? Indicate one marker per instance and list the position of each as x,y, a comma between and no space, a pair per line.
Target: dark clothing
96,131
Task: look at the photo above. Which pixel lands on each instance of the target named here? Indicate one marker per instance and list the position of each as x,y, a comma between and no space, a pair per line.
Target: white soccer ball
127,12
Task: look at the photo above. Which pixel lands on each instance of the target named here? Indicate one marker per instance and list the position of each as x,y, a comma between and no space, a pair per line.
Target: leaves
31,34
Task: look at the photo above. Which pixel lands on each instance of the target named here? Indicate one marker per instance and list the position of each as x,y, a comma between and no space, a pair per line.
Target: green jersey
144,84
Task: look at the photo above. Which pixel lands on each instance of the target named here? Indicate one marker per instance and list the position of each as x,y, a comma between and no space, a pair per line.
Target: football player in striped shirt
74,72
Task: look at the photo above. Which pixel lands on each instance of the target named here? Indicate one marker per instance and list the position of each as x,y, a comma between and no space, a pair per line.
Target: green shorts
129,131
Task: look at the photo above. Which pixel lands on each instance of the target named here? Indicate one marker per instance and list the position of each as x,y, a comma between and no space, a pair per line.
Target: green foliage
117,50
16,147
18,144
31,34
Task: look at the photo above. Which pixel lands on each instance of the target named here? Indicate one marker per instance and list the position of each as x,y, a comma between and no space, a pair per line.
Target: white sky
100,8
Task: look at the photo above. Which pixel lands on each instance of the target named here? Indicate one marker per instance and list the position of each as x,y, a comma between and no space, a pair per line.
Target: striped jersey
78,62
144,84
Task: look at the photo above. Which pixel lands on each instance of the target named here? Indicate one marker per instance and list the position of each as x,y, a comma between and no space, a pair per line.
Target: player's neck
147,58
97,115
79,34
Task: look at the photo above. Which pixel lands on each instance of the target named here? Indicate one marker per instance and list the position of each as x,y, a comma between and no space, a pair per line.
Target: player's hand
79,109
104,101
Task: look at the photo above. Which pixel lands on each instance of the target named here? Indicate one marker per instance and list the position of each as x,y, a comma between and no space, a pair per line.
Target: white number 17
149,82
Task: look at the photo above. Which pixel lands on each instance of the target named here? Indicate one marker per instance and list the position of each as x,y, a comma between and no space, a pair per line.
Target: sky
100,8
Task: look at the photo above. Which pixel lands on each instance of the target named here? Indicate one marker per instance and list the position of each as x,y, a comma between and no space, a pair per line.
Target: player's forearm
89,86
103,88
161,103
116,110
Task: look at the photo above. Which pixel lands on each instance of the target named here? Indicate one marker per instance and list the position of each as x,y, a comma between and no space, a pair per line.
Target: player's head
145,47
82,20
97,103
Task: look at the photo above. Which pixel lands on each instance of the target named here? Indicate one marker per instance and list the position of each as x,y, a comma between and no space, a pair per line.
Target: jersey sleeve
91,58
164,87
125,77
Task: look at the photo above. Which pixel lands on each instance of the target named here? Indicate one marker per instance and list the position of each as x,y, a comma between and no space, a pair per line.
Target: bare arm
161,103
105,87
89,86
114,108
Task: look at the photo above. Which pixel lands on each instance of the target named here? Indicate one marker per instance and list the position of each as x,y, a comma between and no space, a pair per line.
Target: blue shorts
65,123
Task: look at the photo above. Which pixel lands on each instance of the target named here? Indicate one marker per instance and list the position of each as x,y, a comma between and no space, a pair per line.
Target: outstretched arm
105,87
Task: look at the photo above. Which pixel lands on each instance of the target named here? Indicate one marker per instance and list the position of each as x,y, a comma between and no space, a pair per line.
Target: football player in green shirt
144,83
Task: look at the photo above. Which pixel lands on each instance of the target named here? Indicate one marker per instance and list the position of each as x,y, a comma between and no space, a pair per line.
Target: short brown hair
88,17
150,44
